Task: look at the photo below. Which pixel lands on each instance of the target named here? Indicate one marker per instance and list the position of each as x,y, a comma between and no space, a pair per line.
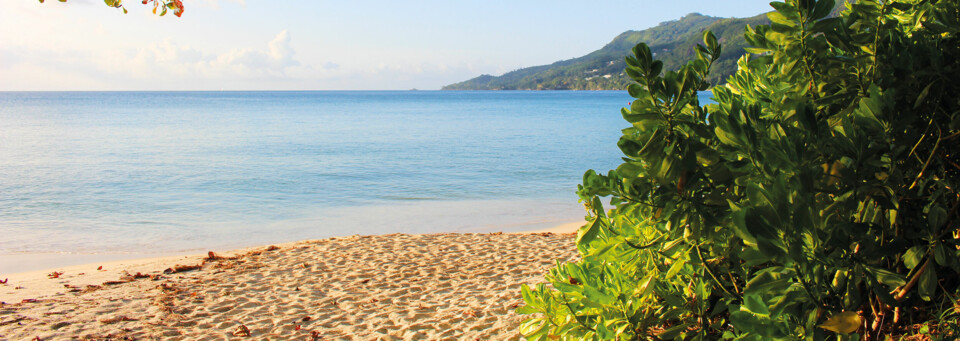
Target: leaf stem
806,287
806,59
929,159
876,41
574,313
902,291
712,275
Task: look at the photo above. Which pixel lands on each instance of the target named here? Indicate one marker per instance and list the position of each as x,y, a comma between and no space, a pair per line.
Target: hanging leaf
913,256
843,323
928,283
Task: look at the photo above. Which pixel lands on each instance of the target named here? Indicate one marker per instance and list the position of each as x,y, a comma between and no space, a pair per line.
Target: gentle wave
122,172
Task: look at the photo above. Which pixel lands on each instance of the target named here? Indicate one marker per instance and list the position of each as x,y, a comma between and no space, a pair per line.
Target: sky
311,45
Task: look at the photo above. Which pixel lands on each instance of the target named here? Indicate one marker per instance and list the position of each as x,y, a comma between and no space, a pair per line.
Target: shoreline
35,283
18,263
395,286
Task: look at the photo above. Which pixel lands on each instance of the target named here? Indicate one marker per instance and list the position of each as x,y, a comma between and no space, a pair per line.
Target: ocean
111,175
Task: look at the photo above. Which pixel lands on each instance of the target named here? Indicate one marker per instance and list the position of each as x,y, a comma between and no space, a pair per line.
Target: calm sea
128,174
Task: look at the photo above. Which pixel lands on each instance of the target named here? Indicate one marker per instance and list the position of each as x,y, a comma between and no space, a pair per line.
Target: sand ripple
392,287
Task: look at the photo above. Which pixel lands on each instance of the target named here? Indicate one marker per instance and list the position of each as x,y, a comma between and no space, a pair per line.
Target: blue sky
311,45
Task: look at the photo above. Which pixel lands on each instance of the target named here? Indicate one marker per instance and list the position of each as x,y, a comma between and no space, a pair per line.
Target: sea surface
98,175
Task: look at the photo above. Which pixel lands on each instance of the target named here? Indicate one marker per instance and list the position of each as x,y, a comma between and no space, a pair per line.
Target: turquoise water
141,173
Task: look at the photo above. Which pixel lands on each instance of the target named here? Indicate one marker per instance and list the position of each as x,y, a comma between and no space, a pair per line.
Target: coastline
426,285
35,283
565,228
35,252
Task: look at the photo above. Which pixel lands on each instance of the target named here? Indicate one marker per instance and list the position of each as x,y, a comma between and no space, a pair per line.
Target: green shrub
817,198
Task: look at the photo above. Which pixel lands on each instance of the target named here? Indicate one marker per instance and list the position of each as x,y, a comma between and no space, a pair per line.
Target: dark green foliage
817,199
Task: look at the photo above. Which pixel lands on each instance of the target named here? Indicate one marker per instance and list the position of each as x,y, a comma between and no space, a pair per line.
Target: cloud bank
164,62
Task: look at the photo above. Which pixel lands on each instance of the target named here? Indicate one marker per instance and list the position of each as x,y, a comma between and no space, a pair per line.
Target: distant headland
673,42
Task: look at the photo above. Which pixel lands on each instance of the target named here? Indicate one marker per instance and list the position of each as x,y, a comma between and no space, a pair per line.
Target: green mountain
672,41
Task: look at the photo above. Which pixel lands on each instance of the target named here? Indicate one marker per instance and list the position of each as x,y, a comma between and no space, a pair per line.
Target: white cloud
274,60
167,58
169,53
83,45
161,63
280,47
70,62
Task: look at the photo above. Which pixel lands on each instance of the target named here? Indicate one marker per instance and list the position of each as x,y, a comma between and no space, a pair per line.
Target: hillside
671,41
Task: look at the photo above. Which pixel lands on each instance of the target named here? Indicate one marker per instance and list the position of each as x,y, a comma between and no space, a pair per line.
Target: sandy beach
399,286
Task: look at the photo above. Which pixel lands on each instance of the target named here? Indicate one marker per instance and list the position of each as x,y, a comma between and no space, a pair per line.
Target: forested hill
672,41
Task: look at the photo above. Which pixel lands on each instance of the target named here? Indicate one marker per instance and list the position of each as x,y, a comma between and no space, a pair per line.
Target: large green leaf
928,283
913,256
